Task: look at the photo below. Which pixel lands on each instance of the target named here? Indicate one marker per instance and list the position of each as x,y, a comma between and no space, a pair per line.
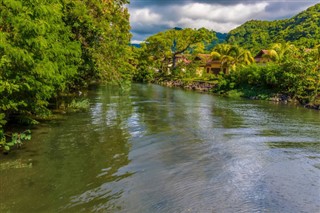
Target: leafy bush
297,75
17,140
255,75
79,105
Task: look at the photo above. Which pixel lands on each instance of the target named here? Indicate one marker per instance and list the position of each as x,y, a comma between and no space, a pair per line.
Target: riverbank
253,94
18,128
200,86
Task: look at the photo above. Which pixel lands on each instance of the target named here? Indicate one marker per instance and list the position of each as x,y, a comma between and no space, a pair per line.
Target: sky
148,17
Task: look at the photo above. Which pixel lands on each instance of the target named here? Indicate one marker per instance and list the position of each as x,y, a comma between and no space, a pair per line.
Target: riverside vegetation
291,68
50,48
56,47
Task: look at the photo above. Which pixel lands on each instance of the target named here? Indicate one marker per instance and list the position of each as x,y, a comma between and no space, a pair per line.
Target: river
157,149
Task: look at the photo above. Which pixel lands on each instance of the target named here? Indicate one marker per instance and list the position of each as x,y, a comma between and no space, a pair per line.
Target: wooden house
260,57
207,65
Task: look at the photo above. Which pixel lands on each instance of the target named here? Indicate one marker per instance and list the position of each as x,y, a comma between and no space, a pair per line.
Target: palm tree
317,54
231,56
280,51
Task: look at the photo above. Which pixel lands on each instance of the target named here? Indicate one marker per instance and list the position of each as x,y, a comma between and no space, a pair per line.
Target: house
208,65
215,67
203,62
260,57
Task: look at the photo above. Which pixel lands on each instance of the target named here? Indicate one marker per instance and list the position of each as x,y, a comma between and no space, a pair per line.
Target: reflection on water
296,145
156,149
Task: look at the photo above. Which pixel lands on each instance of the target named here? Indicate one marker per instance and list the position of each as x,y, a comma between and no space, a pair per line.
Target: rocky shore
201,86
205,86
315,105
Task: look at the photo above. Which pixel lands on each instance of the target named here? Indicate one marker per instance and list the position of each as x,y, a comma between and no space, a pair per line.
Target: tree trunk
174,61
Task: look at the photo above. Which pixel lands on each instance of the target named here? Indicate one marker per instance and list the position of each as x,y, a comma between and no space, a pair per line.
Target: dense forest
48,48
301,30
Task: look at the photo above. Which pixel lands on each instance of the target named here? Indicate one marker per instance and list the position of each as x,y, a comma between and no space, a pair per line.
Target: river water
157,149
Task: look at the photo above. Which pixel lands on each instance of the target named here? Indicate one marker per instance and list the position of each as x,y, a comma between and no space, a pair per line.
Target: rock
312,106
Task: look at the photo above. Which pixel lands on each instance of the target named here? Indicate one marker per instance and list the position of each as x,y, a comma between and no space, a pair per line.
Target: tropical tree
281,51
102,28
37,55
298,74
144,64
165,46
50,47
313,57
232,56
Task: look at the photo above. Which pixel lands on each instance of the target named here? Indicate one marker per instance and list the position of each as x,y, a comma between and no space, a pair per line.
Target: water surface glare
157,149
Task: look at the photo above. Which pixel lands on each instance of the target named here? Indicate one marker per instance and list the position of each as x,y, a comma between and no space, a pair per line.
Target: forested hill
301,30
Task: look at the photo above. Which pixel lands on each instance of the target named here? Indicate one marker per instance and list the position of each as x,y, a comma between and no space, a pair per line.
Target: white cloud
221,14
215,17
152,18
136,41
198,23
144,16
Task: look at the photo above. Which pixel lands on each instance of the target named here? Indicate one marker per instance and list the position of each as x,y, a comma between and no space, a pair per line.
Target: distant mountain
178,28
302,30
136,45
221,39
222,36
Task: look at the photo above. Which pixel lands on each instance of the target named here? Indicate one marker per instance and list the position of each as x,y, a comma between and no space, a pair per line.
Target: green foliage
79,105
301,77
221,38
301,30
164,47
51,47
102,28
292,69
17,139
2,120
159,56
144,71
224,83
37,54
295,74
231,56
266,76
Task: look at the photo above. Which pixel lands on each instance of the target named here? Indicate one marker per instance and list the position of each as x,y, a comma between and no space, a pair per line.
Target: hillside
221,38
302,29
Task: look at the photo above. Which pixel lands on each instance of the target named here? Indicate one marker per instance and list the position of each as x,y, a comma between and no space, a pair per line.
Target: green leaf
28,131
28,137
10,144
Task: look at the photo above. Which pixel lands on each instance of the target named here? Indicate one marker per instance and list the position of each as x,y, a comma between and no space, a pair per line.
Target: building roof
259,57
203,57
261,53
